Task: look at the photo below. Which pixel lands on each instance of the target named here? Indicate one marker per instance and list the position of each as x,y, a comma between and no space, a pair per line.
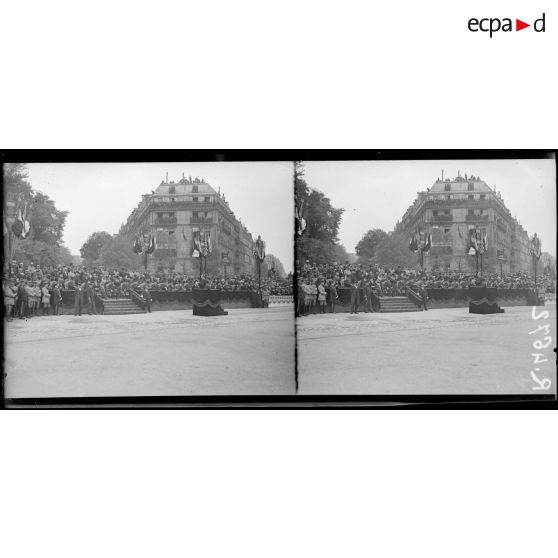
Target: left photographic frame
147,281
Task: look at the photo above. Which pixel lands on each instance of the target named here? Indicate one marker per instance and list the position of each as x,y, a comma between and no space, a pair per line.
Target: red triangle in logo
519,25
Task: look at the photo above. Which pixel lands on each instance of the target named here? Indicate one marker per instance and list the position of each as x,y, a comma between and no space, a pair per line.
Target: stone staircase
115,306
397,304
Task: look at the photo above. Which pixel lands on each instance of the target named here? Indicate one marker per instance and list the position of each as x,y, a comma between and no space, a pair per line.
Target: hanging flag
473,245
151,244
259,250
17,227
535,247
196,248
413,245
484,247
427,243
137,245
25,221
209,248
299,219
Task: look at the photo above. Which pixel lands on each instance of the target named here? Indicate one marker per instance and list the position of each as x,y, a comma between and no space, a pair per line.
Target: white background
250,74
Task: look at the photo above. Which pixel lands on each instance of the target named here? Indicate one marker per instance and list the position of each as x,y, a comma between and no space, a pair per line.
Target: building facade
175,212
450,208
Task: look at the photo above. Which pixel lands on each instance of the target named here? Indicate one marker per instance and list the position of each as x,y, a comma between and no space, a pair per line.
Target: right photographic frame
426,275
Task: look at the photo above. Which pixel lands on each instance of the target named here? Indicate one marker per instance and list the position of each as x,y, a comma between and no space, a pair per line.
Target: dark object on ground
207,302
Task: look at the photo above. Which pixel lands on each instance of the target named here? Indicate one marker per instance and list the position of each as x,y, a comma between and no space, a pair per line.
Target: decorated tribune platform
207,302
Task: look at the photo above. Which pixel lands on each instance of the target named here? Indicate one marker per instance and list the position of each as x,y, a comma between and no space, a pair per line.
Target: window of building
483,196
446,231
448,197
470,197
195,188
447,187
160,215
447,212
172,200
172,189
470,186
205,215
481,212
195,214
206,199
194,199
470,212
435,213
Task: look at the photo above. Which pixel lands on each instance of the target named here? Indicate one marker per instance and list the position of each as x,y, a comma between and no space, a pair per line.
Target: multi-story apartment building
450,208
174,212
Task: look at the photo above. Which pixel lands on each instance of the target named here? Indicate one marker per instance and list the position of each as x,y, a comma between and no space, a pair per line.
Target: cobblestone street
444,351
248,352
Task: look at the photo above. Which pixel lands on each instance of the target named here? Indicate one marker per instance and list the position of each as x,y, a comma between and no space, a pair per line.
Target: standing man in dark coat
56,298
424,295
368,297
21,300
79,299
90,293
147,297
332,292
355,297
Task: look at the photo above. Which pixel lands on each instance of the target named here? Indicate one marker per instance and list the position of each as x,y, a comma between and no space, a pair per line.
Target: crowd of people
31,290
318,284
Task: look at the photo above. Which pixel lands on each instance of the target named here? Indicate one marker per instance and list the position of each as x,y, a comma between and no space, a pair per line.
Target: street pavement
443,351
248,352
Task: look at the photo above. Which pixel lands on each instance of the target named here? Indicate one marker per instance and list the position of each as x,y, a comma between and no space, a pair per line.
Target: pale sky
376,194
101,196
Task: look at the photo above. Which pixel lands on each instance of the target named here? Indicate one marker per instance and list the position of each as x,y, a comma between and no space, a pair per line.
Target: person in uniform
45,300
368,297
22,300
332,291
424,295
78,299
355,297
56,299
321,296
147,297
9,299
90,294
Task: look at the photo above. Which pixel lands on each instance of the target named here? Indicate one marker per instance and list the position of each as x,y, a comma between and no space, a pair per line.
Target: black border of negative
488,401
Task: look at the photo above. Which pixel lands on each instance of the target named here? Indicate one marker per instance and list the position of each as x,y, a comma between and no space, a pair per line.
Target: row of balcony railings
483,218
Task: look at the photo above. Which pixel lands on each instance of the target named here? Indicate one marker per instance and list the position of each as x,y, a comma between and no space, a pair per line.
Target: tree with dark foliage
318,241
